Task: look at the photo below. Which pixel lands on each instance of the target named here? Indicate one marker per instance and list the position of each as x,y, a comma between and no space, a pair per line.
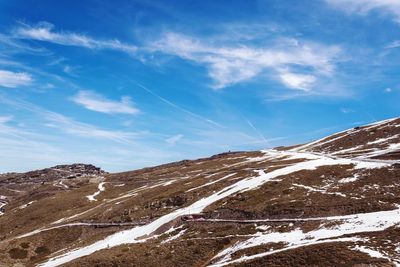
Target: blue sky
128,84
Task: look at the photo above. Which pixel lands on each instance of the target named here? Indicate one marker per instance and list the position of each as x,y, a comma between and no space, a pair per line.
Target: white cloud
395,44
44,32
363,7
388,90
14,79
230,64
69,125
96,102
346,110
70,142
76,128
48,86
4,119
67,69
174,139
297,81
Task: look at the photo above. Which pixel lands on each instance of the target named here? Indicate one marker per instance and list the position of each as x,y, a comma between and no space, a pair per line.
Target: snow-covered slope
377,140
334,202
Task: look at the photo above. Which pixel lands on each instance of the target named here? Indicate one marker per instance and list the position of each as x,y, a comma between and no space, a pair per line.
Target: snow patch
350,224
26,205
322,191
382,140
375,254
349,179
3,202
101,189
174,237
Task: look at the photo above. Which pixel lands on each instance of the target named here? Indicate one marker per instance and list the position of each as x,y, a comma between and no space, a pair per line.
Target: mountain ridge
287,206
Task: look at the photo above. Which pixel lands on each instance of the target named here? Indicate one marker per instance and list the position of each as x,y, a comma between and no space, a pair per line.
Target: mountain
331,202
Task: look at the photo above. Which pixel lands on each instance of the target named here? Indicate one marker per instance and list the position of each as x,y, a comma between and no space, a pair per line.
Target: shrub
17,253
24,245
42,250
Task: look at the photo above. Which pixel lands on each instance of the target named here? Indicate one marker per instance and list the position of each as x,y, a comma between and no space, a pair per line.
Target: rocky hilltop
52,174
331,202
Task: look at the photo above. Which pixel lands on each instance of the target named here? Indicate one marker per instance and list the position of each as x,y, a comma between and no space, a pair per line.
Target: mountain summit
331,202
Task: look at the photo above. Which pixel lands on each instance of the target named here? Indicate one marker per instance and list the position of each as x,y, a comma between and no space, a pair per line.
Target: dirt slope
332,202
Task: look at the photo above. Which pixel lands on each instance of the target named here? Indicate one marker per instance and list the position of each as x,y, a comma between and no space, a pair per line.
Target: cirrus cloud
12,79
43,31
363,7
297,81
174,139
229,64
95,102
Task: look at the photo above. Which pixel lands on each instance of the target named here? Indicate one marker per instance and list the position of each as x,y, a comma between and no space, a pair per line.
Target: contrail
179,107
260,135
258,132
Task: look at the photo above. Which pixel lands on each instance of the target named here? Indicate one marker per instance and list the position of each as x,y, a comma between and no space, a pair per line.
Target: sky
129,84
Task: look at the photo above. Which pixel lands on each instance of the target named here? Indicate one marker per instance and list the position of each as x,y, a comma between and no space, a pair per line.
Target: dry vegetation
48,198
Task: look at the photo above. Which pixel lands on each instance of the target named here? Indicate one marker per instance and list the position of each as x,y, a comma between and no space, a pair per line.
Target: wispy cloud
44,31
229,64
11,45
4,119
93,101
296,64
394,44
14,79
37,73
174,139
346,110
70,126
297,81
363,7
67,69
67,140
